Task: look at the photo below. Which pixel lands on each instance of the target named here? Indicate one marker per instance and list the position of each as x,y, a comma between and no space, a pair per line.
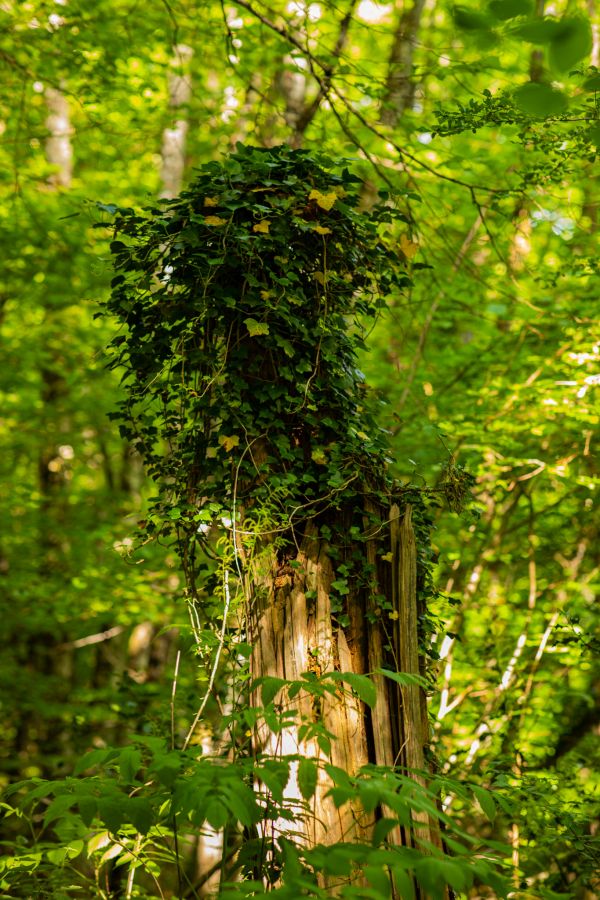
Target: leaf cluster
243,304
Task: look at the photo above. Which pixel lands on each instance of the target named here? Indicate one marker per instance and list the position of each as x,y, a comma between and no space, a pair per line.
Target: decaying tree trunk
293,631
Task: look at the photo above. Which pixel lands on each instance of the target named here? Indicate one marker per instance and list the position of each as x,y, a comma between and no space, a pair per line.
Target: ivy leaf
540,100
256,328
214,220
307,778
262,227
211,201
229,441
572,43
320,229
325,201
408,247
592,83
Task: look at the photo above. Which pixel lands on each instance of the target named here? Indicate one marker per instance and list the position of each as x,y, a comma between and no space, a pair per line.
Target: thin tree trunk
59,151
174,138
400,85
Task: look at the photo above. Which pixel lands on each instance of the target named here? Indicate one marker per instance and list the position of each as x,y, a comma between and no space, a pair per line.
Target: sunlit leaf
229,441
214,220
256,328
325,201
408,247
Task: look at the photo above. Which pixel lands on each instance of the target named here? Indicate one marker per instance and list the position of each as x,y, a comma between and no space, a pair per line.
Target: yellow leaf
387,557
262,226
211,201
318,456
321,230
394,615
325,201
229,442
408,247
214,220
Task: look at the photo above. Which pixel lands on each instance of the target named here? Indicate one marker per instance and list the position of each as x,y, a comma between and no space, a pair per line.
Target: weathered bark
293,634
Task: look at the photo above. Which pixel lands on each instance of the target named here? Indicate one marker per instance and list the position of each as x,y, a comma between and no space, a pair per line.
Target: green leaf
216,813
404,883
510,9
243,805
594,135
130,759
403,678
307,777
572,43
360,684
538,31
270,688
59,807
256,328
275,775
592,83
113,812
87,809
433,873
470,19
540,100
94,758
139,813
67,851
485,800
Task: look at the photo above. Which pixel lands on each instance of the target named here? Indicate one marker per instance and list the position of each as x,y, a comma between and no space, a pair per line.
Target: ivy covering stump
244,303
